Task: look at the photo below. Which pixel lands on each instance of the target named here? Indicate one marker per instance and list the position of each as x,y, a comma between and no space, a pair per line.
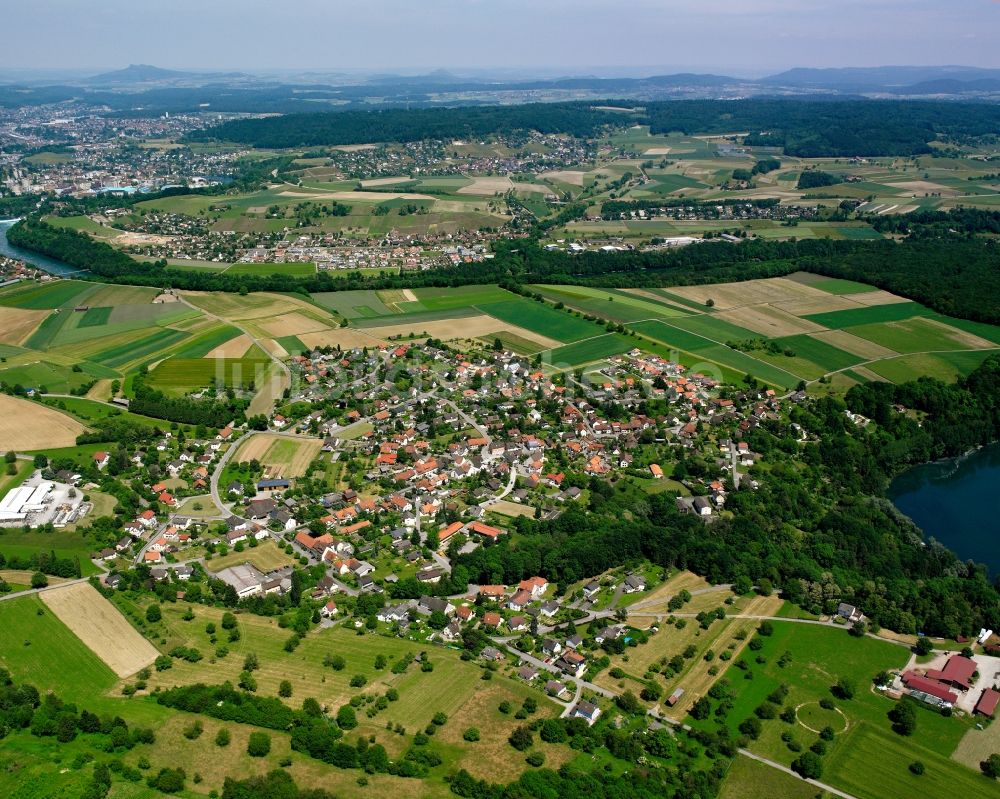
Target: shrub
285,689
535,759
808,765
153,614
222,737
471,735
358,681
259,744
521,739
916,767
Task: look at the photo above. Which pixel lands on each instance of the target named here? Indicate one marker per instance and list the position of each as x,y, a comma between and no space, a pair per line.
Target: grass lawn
543,319
593,349
862,757
748,779
265,556
66,543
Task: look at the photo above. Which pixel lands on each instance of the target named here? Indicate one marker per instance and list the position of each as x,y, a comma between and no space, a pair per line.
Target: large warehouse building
21,501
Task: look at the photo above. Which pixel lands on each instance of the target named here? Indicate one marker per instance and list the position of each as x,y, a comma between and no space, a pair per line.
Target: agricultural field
27,425
96,622
179,376
281,456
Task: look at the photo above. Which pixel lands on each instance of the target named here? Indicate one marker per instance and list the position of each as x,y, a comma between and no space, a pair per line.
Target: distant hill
145,73
875,78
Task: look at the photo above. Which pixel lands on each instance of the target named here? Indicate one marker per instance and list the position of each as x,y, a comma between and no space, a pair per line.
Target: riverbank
956,502
43,262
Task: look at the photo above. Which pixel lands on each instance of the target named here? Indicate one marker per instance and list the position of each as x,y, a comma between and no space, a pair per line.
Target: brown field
234,348
21,577
16,324
487,186
832,302
467,327
266,557
878,297
292,324
769,321
344,337
385,181
573,177
656,600
864,371
26,425
97,623
507,508
919,187
853,344
101,390
371,196
977,745
280,455
750,292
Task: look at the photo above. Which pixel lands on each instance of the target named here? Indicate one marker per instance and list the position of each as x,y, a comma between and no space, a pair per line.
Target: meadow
179,376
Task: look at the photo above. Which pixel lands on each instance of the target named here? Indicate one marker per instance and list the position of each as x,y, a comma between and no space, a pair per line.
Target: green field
438,299
203,343
39,649
836,285
56,294
353,304
866,759
873,314
96,316
910,335
54,378
89,411
593,349
288,269
825,355
542,318
121,354
181,375
618,306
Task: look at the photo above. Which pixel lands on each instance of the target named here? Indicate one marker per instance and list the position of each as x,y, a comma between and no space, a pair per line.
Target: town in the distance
499,435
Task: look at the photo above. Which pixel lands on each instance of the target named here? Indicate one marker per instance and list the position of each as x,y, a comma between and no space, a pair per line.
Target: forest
819,527
804,128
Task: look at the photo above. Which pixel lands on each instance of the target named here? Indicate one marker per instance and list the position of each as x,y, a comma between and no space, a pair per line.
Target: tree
259,744
844,689
553,731
285,689
751,727
153,613
923,646
247,681
903,718
346,719
808,765
701,709
251,662
521,739
39,580
916,767
471,735
628,702
991,766
228,621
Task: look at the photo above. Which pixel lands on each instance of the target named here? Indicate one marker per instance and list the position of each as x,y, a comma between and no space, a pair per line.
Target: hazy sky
740,36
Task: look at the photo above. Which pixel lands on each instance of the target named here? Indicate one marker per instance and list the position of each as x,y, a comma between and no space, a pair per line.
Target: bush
471,735
285,689
259,744
916,767
169,780
346,718
439,719
903,718
521,739
222,737
194,730
358,681
153,614
335,662
751,727
535,759
552,731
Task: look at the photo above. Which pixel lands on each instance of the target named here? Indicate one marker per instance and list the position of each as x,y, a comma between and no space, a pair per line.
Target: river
957,502
50,265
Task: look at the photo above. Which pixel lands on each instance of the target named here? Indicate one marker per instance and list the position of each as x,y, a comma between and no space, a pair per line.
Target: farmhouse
245,579
927,690
957,673
987,704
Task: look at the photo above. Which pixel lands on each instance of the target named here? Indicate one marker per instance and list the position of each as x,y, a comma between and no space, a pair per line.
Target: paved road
31,591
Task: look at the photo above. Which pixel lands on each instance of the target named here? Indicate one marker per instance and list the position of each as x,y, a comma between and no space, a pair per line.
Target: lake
957,502
50,265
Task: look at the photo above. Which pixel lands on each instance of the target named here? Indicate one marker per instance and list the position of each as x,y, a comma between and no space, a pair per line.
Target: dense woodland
804,128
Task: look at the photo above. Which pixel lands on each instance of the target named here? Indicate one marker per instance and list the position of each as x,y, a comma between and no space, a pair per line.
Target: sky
740,37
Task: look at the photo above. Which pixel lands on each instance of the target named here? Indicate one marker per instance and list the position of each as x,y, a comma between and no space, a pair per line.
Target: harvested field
877,297
970,340
26,425
357,196
832,302
344,337
97,623
467,327
234,348
292,324
487,186
769,321
16,324
280,456
573,177
749,292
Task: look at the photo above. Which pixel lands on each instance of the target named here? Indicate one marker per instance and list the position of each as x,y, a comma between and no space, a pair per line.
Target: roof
987,703
958,671
915,682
